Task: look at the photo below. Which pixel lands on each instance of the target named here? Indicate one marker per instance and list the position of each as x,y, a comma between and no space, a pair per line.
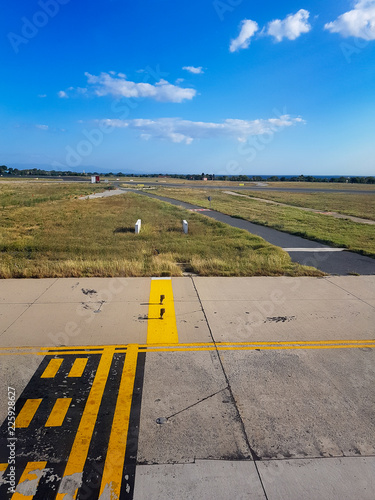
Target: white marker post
185,226
138,226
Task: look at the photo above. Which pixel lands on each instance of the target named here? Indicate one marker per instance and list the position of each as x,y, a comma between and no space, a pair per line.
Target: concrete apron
268,394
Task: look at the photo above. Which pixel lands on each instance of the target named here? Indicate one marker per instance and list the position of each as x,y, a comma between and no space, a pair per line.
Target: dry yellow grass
70,237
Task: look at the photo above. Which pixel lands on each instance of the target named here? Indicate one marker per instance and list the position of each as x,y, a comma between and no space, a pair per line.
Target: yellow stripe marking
80,448
52,368
32,471
114,462
58,412
165,346
161,330
27,413
78,367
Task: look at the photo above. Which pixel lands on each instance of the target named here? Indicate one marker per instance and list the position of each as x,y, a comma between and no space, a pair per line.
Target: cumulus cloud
118,86
193,69
358,22
185,131
247,31
291,27
62,94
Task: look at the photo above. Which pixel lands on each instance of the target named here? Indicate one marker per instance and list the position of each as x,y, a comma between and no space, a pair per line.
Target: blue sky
224,87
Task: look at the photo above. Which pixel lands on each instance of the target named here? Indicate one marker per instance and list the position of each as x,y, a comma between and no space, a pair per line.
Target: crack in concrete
198,402
28,307
254,456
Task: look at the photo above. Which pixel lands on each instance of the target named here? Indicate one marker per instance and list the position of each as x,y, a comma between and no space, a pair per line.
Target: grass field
61,236
233,184
17,193
336,232
359,205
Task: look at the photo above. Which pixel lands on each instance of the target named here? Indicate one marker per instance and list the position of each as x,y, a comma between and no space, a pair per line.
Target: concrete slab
362,287
8,315
267,289
328,478
249,321
188,392
96,290
15,291
305,403
90,323
203,479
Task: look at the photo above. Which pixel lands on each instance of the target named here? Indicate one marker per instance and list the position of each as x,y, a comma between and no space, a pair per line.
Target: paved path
306,252
258,388
336,215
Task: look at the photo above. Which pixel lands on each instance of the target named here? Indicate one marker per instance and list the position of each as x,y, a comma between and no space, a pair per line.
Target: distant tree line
37,172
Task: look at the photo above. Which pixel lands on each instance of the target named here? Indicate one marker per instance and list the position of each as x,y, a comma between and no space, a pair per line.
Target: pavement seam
29,304
247,441
350,293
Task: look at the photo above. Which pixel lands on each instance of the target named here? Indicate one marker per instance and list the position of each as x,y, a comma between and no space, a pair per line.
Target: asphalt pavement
310,253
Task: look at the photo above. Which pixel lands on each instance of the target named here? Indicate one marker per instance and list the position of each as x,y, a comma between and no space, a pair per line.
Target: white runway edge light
138,226
185,226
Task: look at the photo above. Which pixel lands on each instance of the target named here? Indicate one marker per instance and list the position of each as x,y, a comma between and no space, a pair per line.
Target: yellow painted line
254,348
83,348
29,474
58,412
52,368
77,350
161,330
80,448
114,462
27,413
67,353
78,367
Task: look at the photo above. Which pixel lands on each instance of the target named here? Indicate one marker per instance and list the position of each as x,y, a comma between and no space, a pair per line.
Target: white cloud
193,69
62,94
42,95
248,30
358,22
185,131
42,127
291,27
106,84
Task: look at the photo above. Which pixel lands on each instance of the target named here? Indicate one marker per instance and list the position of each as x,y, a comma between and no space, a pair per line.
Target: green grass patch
322,228
70,237
29,193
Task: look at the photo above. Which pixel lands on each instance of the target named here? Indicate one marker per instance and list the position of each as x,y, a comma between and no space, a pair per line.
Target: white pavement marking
320,249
